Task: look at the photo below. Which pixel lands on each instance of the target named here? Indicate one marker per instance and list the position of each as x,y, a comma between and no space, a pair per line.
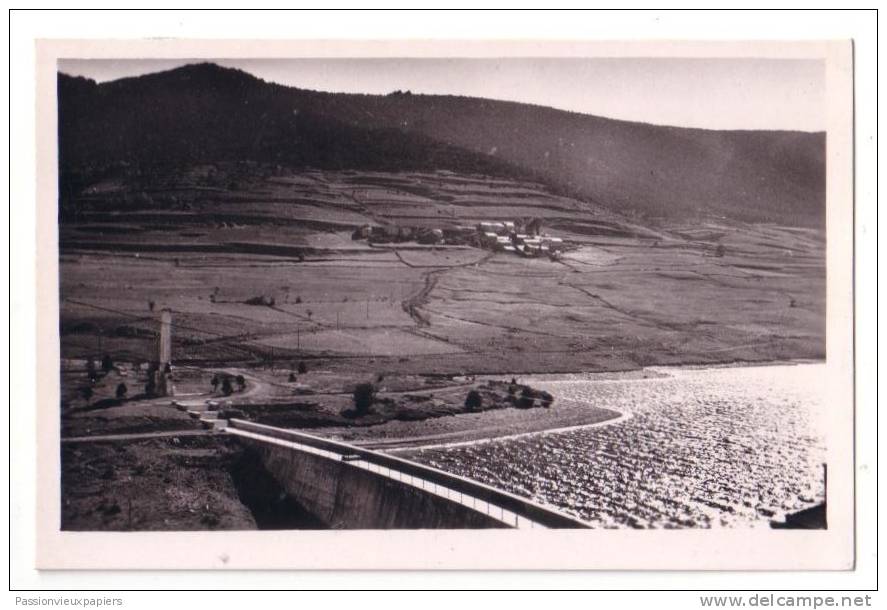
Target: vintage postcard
418,305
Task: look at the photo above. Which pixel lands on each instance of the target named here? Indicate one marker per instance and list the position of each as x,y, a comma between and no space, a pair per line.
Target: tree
227,390
292,378
150,386
720,251
90,369
474,401
215,381
303,368
121,391
241,382
526,398
364,396
86,392
107,363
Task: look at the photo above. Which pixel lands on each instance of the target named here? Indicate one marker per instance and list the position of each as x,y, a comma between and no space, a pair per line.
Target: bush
364,396
526,398
292,378
303,368
241,382
227,390
86,392
121,390
90,369
263,300
107,363
215,382
150,386
474,401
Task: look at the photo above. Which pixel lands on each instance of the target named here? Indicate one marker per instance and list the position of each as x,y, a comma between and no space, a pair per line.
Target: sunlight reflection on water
713,447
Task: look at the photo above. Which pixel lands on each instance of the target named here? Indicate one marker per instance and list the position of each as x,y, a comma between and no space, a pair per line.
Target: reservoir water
698,447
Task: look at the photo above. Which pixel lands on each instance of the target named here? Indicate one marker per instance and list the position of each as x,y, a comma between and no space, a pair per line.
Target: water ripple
702,448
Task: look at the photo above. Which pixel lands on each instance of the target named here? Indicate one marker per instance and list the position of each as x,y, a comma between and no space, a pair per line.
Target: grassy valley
270,270
283,226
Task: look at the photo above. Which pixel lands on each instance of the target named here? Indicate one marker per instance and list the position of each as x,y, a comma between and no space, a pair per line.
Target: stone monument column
164,356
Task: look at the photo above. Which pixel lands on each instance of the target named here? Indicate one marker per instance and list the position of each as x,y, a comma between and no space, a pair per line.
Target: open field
265,277
406,409
622,297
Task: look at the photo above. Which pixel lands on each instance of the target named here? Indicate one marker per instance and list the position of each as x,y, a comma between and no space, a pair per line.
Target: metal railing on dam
505,508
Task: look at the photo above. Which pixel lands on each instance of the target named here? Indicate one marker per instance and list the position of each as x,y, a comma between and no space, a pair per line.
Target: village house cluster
527,240
524,238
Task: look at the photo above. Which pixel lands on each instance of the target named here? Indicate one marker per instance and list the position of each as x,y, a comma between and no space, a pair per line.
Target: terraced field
622,297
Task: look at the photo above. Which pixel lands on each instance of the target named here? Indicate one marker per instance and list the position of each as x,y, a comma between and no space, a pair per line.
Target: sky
693,92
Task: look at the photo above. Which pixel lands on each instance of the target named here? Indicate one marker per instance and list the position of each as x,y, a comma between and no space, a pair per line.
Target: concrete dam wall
344,497
347,487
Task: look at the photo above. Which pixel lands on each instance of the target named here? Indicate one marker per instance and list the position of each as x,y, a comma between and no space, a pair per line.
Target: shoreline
457,426
650,367
607,422
166,460
494,431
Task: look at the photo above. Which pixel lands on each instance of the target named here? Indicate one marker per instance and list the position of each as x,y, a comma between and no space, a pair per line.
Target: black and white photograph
315,294
290,300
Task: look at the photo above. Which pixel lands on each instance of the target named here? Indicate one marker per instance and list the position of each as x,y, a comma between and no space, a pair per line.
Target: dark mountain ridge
203,113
